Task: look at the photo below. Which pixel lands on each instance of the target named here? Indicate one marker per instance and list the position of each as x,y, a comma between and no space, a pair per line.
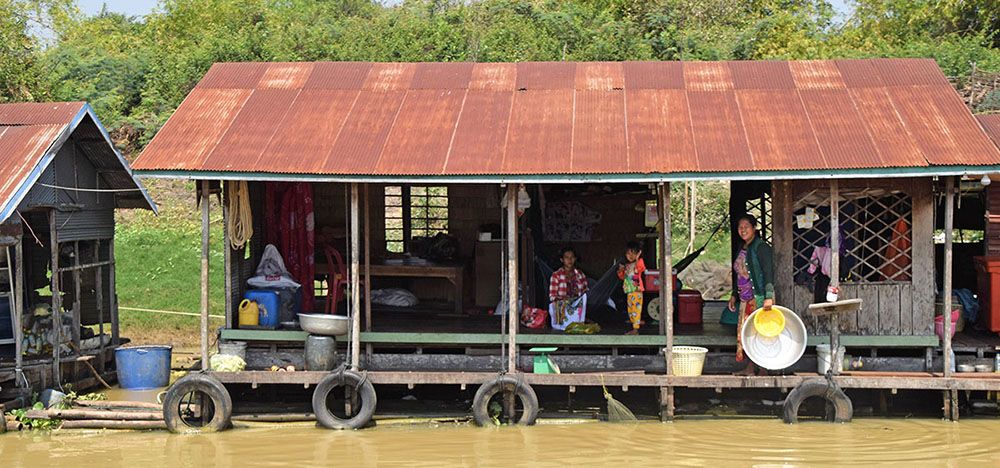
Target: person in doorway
567,292
754,286
631,275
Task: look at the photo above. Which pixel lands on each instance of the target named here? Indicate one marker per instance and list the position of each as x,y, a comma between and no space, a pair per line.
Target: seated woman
567,292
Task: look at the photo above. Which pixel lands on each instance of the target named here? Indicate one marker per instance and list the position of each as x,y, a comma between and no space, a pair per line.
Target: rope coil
240,223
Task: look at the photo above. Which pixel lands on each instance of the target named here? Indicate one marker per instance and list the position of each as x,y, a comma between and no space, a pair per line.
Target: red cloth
896,253
564,285
291,228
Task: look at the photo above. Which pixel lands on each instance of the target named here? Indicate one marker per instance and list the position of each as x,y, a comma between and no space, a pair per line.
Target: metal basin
324,324
779,352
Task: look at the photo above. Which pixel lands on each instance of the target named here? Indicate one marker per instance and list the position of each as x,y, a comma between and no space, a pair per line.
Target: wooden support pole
227,249
56,298
949,222
113,292
77,303
99,292
512,299
835,273
368,269
355,281
666,276
205,200
17,311
666,404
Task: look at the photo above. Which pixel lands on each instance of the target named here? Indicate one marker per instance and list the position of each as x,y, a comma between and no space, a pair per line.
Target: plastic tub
823,358
939,324
143,367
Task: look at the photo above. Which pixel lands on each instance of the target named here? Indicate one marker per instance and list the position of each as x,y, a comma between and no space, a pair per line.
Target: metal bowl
324,324
984,368
965,368
778,352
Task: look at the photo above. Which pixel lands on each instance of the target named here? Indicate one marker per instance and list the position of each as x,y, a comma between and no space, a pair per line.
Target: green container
542,362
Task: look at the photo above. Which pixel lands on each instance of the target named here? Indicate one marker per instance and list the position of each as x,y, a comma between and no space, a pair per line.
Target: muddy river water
700,442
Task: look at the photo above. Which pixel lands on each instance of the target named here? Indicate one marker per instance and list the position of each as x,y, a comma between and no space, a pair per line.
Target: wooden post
512,299
204,273
56,298
691,221
17,310
113,291
666,276
949,222
835,363
368,272
77,303
355,281
227,249
99,291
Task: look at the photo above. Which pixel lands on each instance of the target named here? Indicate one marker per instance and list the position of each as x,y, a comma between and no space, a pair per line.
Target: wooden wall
890,308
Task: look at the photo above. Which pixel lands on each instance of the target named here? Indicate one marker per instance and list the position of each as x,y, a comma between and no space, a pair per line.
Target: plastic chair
336,278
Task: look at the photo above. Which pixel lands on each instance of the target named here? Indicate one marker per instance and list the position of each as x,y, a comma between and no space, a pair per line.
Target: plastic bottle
996,361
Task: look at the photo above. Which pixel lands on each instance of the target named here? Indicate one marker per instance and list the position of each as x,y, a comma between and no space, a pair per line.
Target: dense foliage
135,71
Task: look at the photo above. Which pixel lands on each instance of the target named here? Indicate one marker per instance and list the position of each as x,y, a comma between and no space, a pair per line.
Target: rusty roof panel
494,76
21,148
39,113
910,72
193,130
361,139
600,76
389,76
237,75
338,75
945,131
546,75
479,141
421,135
659,131
991,123
287,75
540,137
778,131
707,76
717,130
895,145
654,75
816,74
250,132
599,132
766,74
308,131
859,73
839,129
442,75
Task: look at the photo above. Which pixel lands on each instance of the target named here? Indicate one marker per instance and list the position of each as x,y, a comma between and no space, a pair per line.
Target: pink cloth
820,259
291,228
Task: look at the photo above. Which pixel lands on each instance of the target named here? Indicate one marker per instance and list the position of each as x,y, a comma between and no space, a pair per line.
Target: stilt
666,404
355,281
56,299
19,309
512,299
204,273
949,222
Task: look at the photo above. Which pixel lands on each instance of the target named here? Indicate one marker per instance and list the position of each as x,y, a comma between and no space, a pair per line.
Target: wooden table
452,273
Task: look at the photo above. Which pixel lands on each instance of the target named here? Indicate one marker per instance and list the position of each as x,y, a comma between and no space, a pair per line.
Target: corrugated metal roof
991,123
31,135
567,118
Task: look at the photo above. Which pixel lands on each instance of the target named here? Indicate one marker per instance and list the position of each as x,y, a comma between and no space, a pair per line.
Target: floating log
106,424
53,413
275,417
117,404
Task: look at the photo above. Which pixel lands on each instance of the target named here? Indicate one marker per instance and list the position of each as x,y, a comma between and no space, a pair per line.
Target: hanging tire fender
522,391
213,389
843,409
365,391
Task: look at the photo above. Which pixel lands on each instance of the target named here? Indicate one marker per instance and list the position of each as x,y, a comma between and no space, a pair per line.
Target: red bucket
939,323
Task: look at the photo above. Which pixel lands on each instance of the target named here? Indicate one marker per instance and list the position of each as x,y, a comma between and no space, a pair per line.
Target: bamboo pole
228,257
113,291
666,276
56,298
53,413
512,299
18,310
355,281
368,272
99,292
118,404
949,222
77,303
204,273
105,424
835,273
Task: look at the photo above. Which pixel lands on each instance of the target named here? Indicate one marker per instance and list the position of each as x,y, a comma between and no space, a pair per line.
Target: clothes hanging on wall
897,261
291,227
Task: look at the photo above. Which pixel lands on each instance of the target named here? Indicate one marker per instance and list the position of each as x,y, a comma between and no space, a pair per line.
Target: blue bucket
143,367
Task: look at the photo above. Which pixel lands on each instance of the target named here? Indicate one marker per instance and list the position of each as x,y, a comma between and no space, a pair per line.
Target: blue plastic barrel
269,305
143,367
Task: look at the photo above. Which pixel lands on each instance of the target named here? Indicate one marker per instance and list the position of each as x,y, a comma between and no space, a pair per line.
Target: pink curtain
291,227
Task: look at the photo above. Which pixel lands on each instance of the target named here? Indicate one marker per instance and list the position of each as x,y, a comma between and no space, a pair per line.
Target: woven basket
689,360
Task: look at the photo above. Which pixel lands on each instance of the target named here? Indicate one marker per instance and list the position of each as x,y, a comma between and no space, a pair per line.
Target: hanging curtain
291,228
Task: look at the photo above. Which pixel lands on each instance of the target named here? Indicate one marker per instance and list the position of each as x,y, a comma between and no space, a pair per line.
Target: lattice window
760,208
414,211
875,235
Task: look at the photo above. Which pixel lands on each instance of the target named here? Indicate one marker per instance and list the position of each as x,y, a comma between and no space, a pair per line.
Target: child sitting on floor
631,275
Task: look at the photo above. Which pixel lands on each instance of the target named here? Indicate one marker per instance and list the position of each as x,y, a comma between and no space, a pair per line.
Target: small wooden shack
63,180
517,159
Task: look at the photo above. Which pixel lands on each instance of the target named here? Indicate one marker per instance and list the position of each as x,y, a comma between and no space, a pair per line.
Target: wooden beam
205,200
77,303
355,280
56,298
667,277
512,299
227,250
113,291
949,223
99,291
17,312
834,270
